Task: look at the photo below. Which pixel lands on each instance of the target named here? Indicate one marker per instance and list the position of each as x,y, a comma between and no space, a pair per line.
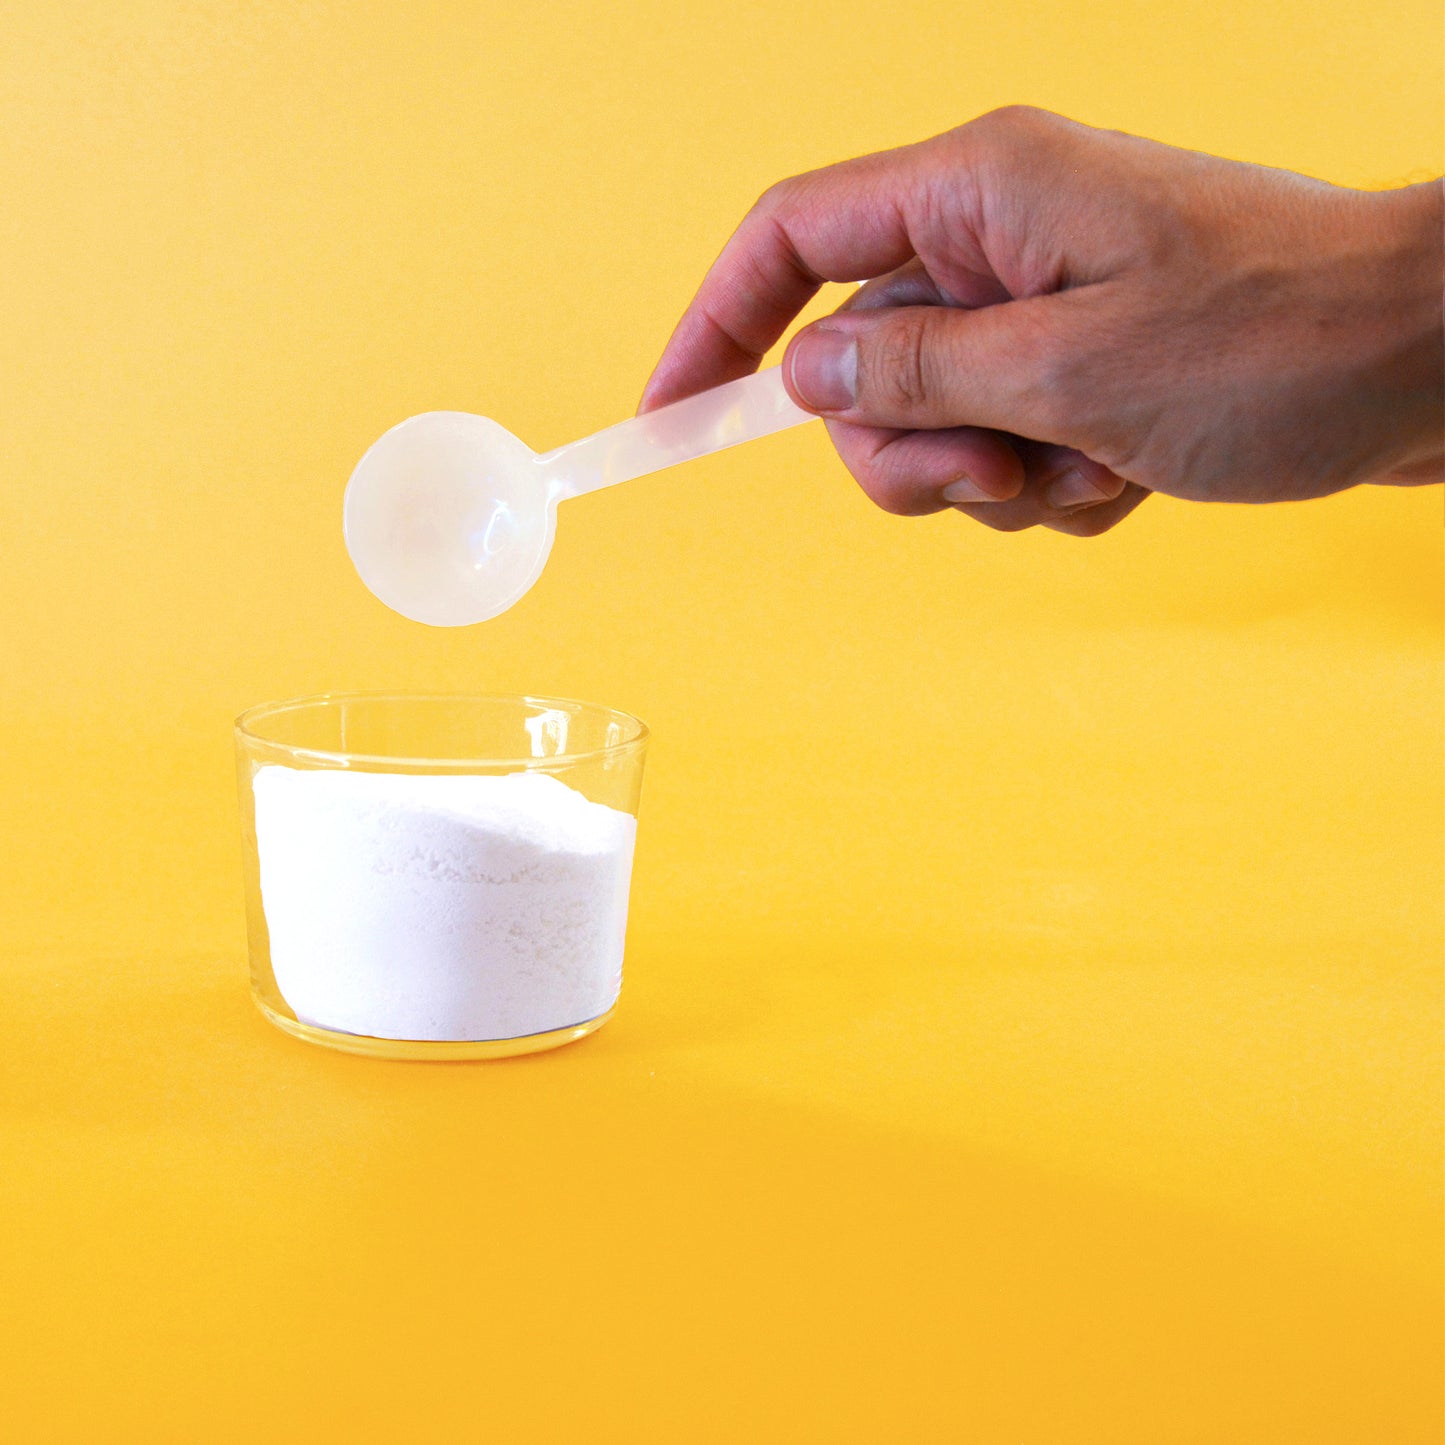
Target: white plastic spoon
449,518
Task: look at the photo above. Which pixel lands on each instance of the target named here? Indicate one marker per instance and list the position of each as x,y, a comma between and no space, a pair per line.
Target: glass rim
245,724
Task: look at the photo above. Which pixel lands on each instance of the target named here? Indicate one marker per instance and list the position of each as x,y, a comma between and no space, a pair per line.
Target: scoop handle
735,412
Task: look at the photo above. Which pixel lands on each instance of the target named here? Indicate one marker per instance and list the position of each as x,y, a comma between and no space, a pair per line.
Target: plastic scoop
449,518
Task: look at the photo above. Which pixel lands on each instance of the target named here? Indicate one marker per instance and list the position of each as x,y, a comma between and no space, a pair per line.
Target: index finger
847,222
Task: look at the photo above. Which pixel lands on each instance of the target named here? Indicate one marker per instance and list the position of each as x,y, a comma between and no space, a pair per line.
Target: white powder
441,907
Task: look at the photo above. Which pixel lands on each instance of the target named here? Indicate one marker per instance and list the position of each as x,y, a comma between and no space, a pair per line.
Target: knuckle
785,196
901,496
889,488
1014,115
892,498
1000,520
1009,124
1082,524
898,375
775,199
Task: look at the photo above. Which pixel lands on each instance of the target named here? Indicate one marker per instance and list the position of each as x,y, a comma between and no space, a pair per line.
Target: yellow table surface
1032,1028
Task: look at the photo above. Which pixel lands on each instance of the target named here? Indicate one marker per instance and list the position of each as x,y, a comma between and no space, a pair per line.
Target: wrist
1412,271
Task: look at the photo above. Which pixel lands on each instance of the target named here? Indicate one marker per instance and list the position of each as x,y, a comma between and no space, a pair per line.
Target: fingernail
1073,489
966,490
825,369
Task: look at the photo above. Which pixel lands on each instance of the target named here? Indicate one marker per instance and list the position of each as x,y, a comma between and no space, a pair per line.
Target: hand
1064,320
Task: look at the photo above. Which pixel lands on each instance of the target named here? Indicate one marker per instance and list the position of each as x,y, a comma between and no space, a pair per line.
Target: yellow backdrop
1032,1028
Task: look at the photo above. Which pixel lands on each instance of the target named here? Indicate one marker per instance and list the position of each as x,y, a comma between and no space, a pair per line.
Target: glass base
437,1050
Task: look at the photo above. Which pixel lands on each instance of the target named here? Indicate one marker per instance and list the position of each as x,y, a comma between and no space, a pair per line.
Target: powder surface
438,907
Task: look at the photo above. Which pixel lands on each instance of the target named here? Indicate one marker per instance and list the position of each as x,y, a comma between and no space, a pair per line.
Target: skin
1063,320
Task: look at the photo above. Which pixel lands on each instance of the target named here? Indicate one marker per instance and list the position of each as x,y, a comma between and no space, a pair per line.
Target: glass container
432,877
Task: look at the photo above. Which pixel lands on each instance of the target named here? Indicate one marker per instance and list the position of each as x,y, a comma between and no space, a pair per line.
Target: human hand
1063,320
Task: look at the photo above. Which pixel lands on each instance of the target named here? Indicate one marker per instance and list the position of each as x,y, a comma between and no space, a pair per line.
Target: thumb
1007,367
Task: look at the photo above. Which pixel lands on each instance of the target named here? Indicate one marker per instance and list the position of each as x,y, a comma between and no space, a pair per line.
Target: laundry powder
441,907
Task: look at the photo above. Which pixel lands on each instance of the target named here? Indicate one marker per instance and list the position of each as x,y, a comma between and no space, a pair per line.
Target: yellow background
1033,1019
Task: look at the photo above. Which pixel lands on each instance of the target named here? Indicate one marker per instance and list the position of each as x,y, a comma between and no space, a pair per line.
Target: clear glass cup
437,877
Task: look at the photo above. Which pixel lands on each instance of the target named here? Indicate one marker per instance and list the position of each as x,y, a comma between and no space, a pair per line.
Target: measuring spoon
449,518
